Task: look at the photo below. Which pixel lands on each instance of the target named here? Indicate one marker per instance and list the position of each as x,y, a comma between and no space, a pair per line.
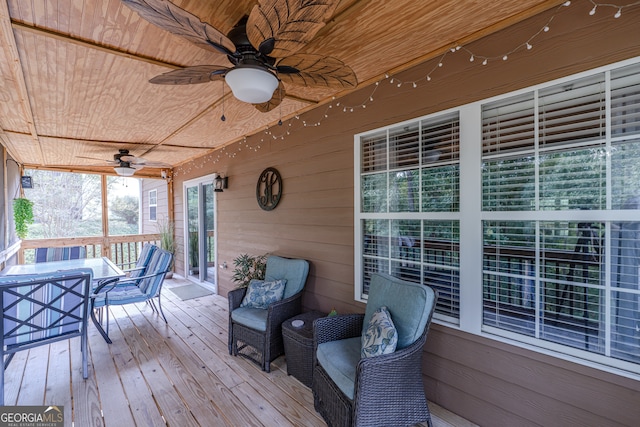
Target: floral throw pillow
381,336
261,294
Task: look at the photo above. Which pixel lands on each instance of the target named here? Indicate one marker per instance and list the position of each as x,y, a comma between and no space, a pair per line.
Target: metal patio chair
60,254
40,309
131,290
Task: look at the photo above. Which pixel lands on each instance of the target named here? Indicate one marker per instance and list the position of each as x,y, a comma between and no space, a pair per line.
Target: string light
619,8
268,132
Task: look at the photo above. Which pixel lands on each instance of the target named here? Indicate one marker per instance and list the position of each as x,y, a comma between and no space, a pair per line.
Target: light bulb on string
618,13
593,11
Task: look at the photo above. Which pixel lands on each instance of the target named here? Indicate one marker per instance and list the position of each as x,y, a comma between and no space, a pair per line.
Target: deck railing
122,250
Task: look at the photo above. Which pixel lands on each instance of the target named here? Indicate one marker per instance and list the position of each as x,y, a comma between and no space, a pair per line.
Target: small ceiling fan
126,164
261,47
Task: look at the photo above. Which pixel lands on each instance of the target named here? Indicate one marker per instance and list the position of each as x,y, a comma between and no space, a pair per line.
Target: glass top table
102,268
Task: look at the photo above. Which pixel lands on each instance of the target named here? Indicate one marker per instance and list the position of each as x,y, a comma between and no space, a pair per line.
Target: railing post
106,247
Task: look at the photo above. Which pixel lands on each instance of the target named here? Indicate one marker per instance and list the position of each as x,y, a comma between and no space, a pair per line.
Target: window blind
572,112
548,279
412,168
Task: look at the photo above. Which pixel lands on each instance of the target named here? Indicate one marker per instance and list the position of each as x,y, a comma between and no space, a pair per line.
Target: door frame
199,182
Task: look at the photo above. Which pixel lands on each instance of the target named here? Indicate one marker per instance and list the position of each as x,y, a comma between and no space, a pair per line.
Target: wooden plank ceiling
74,73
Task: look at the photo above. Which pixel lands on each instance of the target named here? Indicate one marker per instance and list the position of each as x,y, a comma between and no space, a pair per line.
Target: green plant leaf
248,267
22,215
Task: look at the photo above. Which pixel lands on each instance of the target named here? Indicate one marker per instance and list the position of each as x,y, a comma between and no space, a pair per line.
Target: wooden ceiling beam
91,44
95,141
146,172
4,139
190,121
11,50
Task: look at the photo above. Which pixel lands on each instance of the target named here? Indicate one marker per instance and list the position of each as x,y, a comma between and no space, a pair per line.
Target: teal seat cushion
294,271
408,303
254,318
120,296
339,359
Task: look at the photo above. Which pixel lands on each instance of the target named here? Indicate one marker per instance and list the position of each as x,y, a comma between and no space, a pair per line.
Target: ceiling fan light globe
251,84
124,171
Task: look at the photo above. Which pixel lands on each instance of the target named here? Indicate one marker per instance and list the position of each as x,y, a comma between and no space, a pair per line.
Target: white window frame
153,205
471,217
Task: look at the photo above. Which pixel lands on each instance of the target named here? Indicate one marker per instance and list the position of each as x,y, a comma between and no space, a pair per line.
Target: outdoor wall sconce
220,183
26,181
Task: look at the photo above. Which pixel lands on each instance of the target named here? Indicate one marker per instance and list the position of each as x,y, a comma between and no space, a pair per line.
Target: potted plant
166,229
248,267
22,215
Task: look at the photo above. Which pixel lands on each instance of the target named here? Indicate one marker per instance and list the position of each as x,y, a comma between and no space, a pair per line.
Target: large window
541,208
566,156
409,206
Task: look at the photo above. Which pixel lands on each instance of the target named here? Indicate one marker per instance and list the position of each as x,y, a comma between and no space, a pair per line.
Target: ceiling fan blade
279,28
131,159
141,162
276,99
317,70
178,21
191,75
92,158
150,164
113,162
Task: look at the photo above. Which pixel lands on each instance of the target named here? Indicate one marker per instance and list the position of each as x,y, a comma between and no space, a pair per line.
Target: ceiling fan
261,47
126,164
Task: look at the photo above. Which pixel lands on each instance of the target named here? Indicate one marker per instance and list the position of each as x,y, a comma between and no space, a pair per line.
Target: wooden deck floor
156,374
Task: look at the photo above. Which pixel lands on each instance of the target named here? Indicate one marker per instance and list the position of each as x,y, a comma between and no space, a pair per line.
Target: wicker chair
261,329
384,390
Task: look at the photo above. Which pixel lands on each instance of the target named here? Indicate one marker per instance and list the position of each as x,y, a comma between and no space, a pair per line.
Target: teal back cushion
294,271
143,260
159,263
408,303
